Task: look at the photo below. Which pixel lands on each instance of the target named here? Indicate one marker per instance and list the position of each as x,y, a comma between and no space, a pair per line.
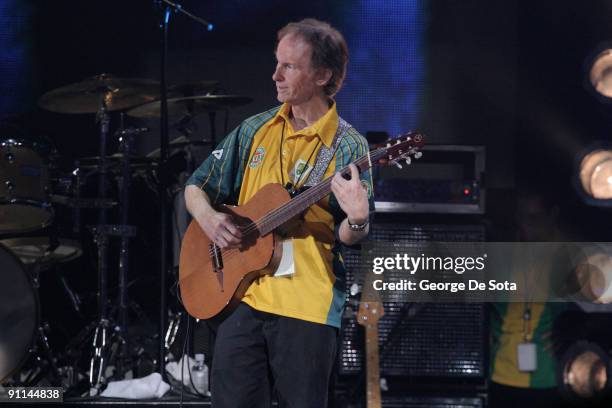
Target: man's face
296,81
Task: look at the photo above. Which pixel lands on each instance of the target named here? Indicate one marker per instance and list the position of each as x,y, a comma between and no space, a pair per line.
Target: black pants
257,352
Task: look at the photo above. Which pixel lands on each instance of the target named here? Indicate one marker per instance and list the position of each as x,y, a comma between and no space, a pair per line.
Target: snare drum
24,186
18,313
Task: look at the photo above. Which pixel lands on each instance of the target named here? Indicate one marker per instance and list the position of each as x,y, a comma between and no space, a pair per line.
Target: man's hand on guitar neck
353,199
217,226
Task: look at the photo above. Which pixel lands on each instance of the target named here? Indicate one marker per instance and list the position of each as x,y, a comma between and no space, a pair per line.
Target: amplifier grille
419,339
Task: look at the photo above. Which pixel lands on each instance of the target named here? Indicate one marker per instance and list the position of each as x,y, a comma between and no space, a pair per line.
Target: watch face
357,227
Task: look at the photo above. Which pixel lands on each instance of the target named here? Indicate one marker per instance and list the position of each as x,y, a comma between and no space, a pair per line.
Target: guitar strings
307,195
254,226
313,191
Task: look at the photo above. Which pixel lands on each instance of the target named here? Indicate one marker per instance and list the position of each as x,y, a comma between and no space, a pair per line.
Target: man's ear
324,77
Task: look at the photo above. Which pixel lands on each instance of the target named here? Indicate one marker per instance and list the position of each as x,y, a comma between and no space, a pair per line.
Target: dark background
505,74
509,75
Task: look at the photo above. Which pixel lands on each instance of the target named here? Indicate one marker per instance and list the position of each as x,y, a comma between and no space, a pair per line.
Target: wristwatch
357,227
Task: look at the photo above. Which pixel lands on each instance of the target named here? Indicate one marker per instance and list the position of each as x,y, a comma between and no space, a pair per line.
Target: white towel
150,386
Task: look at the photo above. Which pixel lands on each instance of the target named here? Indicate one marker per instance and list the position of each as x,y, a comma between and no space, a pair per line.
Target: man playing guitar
283,334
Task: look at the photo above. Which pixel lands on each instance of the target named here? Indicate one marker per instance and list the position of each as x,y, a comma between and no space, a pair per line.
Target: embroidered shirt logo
217,154
257,158
299,171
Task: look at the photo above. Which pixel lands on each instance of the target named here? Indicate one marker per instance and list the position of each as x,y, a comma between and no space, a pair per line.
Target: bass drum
18,313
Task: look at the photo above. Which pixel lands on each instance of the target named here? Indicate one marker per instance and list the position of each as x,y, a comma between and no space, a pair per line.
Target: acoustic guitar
212,281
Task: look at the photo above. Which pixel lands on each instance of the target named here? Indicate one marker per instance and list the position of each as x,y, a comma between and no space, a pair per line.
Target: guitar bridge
216,256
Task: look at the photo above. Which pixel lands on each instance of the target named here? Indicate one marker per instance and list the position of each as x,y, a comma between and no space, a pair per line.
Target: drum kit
28,200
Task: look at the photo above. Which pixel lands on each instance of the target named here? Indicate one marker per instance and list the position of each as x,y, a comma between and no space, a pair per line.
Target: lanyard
297,182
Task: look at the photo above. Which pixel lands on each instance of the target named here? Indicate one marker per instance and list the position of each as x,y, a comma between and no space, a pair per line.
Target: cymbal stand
103,119
100,338
117,348
126,138
41,349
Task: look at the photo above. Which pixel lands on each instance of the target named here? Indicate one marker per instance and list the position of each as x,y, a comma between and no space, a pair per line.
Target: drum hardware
19,314
75,300
76,192
19,161
105,203
25,186
189,105
101,95
117,349
43,251
42,342
23,336
114,93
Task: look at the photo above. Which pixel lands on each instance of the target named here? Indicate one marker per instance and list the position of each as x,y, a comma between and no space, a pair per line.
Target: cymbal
86,96
190,105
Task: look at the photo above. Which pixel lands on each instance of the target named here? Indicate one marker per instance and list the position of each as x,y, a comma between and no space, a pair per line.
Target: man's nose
276,76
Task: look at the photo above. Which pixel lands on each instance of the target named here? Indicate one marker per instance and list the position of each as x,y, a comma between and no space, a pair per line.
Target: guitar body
207,293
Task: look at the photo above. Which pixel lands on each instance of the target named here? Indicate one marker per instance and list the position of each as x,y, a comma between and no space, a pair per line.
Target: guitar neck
305,200
372,366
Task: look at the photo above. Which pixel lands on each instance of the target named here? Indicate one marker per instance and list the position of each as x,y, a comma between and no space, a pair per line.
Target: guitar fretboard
300,203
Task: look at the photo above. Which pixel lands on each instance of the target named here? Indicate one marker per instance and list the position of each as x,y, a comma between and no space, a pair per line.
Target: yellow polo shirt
280,154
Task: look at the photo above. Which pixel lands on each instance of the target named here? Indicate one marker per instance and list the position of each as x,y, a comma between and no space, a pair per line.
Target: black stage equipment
447,179
436,344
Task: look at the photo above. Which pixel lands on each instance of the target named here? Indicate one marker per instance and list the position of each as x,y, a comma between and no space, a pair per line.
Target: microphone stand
166,7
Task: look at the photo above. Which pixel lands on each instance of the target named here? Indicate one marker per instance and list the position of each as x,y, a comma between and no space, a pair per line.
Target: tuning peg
398,141
408,160
399,166
418,155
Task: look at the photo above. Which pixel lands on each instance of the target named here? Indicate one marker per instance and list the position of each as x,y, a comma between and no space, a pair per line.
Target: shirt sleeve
218,176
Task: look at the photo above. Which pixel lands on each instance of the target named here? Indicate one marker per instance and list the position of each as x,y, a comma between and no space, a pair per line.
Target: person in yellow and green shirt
283,335
517,327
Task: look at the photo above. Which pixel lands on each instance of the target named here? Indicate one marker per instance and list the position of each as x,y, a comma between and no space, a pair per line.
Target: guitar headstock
403,148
